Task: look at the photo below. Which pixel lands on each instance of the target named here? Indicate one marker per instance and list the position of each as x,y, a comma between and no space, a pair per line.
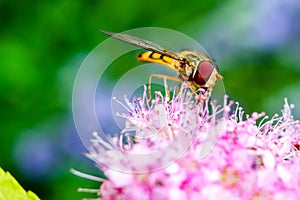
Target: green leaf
10,189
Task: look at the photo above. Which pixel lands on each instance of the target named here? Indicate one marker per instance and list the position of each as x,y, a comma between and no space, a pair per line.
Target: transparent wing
145,44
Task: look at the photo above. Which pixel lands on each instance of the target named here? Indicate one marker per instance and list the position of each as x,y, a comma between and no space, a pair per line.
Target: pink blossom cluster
254,157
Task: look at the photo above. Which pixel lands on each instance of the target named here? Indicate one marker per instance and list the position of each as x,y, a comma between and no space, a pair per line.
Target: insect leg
204,95
160,76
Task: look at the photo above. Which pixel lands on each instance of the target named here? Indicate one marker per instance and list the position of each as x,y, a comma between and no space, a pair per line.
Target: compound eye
203,73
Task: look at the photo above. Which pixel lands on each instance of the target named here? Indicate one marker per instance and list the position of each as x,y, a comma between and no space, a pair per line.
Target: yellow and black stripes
150,56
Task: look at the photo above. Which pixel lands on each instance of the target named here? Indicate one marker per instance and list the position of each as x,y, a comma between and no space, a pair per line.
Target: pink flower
231,157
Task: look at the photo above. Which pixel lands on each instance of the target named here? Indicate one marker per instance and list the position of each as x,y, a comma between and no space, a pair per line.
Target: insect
197,69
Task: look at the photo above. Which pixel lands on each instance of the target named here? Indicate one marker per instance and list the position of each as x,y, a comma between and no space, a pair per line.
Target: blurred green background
255,43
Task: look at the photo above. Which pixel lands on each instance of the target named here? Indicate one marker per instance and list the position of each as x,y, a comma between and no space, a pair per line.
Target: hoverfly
197,69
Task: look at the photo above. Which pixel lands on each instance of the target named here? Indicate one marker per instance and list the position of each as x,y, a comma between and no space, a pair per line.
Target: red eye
204,70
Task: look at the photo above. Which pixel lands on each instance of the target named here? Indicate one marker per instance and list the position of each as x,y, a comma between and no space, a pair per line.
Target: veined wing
145,44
